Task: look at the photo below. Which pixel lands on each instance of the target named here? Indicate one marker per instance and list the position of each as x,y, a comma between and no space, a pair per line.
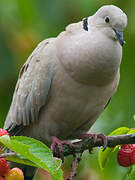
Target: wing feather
32,88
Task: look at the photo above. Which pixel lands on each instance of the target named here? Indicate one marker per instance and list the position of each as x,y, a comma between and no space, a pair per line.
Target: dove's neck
90,60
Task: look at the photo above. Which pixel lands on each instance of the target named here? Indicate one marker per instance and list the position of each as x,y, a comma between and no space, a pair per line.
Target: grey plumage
67,81
31,94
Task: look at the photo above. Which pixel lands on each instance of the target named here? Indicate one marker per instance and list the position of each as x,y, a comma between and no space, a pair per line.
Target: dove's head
111,19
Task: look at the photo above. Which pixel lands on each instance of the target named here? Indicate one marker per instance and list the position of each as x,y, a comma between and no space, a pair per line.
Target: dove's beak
119,35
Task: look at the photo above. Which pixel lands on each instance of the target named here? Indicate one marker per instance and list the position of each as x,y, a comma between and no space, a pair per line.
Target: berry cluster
126,155
5,172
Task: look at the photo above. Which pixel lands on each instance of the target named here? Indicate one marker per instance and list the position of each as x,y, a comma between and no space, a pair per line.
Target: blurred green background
24,23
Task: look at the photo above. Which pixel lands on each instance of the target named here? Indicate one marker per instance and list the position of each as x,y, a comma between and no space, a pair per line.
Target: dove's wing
33,86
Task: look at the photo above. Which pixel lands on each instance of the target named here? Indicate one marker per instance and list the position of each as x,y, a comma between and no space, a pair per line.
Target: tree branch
82,145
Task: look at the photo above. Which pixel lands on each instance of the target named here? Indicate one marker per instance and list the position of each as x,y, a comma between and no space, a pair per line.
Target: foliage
130,174
36,153
104,155
23,24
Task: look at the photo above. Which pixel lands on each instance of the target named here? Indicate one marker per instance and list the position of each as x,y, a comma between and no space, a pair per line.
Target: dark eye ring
107,19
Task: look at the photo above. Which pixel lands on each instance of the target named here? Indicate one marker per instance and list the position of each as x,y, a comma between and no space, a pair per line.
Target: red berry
4,167
14,174
133,157
128,146
3,132
126,155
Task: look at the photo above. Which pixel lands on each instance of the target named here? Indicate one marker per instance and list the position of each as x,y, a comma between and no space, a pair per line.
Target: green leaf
131,131
21,160
119,131
130,174
104,155
34,151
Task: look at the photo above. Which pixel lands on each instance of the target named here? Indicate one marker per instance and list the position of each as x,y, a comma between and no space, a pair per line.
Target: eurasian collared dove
67,81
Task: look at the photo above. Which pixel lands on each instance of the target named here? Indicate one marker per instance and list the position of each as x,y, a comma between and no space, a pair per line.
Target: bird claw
94,138
57,143
104,139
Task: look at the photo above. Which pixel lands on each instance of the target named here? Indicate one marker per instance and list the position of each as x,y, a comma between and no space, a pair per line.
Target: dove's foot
57,145
94,138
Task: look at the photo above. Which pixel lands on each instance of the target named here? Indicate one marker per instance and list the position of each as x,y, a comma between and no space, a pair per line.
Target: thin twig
75,163
4,155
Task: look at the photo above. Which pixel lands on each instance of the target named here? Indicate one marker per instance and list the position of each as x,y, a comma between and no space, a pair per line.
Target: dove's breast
71,107
90,58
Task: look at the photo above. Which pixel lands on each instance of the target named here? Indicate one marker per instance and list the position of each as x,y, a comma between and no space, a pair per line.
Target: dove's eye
107,19
85,24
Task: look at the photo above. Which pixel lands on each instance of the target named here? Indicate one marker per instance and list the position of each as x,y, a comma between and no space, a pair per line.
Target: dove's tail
14,130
